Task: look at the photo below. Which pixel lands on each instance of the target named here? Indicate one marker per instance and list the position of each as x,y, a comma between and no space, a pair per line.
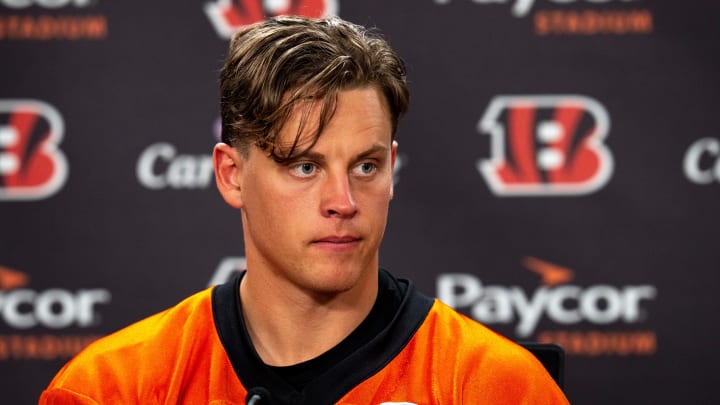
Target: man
309,111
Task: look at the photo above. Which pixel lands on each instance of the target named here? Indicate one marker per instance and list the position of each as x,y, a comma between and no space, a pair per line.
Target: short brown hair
274,64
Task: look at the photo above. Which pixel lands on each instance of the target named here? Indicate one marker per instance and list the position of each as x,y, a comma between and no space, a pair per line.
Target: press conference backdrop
557,176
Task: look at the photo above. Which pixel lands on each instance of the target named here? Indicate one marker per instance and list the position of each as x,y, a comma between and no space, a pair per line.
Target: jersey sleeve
151,361
491,368
511,375
60,396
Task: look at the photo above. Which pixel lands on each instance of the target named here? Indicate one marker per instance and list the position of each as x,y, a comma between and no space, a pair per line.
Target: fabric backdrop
557,180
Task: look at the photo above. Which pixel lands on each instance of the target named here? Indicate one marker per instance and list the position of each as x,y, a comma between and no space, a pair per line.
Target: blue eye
366,168
307,168
304,169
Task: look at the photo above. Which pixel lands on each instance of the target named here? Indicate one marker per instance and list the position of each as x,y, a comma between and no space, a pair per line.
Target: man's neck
288,326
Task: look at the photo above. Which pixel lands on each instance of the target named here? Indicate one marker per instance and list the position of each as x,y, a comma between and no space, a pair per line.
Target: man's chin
337,280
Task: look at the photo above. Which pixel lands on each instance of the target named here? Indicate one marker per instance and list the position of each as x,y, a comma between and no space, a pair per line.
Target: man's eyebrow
320,158
377,148
307,155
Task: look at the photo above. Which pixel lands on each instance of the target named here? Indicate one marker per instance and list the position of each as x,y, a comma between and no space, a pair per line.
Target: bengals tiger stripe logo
228,16
550,145
32,167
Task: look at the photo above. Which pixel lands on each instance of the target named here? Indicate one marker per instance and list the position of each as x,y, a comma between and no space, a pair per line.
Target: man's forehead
312,118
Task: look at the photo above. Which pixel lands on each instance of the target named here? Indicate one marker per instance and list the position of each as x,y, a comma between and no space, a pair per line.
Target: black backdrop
558,176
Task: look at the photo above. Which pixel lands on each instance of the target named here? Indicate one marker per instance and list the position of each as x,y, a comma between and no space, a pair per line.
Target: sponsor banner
45,20
586,168
577,17
702,161
32,167
228,16
602,319
46,314
546,145
160,166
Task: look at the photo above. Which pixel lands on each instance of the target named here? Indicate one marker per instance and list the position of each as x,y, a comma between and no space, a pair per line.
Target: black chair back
551,356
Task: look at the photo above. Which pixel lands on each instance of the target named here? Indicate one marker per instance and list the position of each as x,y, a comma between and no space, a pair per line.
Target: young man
309,111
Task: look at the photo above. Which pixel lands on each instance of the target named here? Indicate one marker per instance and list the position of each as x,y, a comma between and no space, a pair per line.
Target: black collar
393,320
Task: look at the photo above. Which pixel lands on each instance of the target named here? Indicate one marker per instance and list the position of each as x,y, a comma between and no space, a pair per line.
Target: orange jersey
198,353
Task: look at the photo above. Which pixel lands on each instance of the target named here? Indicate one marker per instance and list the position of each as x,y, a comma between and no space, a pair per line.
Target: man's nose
337,198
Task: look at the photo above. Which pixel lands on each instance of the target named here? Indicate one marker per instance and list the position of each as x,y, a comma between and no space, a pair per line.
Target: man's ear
228,165
393,155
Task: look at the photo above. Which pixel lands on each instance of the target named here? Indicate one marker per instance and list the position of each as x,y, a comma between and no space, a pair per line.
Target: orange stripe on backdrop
552,274
600,343
43,347
593,22
47,27
11,279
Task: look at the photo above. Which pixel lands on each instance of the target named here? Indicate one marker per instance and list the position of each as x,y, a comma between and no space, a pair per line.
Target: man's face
317,220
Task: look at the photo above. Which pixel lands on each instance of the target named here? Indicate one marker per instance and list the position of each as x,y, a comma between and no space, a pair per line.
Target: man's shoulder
471,330
143,351
491,365
478,342
193,312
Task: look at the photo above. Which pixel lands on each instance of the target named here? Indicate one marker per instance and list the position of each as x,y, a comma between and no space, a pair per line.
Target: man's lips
342,243
339,240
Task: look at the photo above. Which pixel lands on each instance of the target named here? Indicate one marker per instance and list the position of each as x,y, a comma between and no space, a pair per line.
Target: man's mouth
337,239
337,242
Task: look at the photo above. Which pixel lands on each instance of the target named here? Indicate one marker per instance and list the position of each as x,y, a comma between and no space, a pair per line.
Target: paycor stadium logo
576,17
601,319
49,20
37,318
546,145
228,16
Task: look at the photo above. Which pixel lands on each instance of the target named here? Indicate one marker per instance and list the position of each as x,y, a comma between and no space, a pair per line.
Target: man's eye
304,169
366,168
